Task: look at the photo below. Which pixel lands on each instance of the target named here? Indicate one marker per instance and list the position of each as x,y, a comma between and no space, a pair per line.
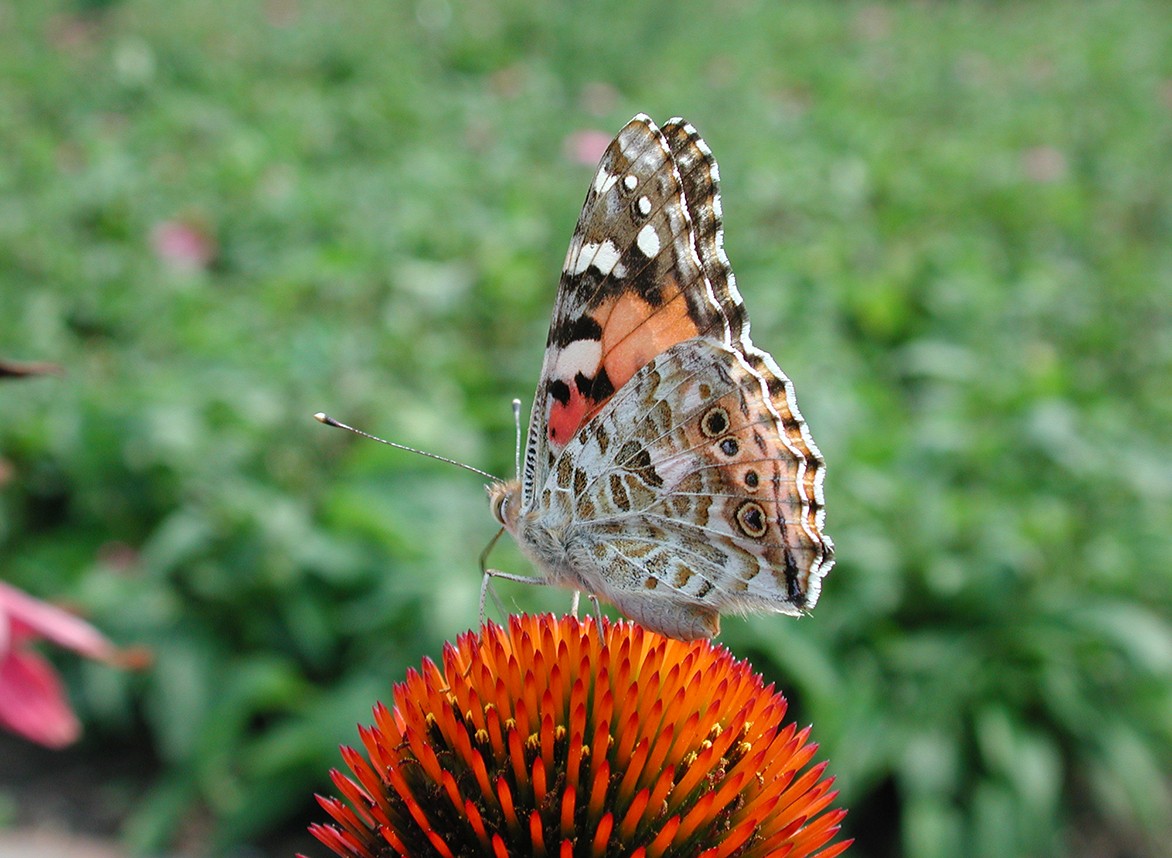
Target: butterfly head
504,498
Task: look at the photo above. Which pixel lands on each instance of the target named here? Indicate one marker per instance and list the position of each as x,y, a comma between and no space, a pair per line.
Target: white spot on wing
648,241
644,206
604,257
607,257
580,356
603,181
630,182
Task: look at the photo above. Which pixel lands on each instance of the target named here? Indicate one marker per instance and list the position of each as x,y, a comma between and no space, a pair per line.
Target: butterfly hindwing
685,491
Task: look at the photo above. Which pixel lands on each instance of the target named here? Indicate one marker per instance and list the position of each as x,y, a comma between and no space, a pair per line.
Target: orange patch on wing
635,332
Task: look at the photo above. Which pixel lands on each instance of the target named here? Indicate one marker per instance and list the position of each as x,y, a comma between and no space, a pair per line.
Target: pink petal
183,246
586,147
31,618
32,702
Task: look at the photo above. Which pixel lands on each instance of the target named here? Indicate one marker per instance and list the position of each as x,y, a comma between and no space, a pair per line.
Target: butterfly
667,469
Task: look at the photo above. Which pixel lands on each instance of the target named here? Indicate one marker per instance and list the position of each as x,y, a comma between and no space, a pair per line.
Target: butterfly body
667,470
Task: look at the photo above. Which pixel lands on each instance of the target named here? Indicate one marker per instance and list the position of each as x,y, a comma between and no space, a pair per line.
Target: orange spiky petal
555,736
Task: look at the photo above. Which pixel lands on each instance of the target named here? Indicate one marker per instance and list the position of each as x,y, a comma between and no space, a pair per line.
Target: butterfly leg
486,590
487,574
574,603
597,608
486,587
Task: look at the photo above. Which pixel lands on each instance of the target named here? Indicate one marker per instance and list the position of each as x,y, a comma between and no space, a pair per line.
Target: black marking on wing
648,283
582,328
602,387
793,589
560,391
584,383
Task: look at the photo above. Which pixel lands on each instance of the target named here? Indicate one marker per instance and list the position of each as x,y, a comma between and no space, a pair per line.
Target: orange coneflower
560,737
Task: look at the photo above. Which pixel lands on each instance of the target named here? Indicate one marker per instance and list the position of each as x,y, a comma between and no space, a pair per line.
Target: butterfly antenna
517,424
322,417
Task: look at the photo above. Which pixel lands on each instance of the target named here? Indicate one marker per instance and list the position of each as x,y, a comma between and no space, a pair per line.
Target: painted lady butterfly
667,468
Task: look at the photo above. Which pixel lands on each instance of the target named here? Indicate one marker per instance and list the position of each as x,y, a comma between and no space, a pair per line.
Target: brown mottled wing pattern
682,491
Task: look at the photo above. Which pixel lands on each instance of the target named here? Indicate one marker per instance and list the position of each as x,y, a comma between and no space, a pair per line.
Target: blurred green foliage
952,223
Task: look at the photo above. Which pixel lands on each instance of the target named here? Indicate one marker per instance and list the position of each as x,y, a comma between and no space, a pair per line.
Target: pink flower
32,701
586,147
183,246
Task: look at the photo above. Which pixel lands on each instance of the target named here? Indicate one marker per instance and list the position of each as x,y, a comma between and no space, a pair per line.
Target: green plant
951,221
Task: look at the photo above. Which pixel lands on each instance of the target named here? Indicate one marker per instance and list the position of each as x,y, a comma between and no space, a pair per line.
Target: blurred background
952,224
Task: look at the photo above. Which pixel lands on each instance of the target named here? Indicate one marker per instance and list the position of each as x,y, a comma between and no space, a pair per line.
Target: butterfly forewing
631,287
